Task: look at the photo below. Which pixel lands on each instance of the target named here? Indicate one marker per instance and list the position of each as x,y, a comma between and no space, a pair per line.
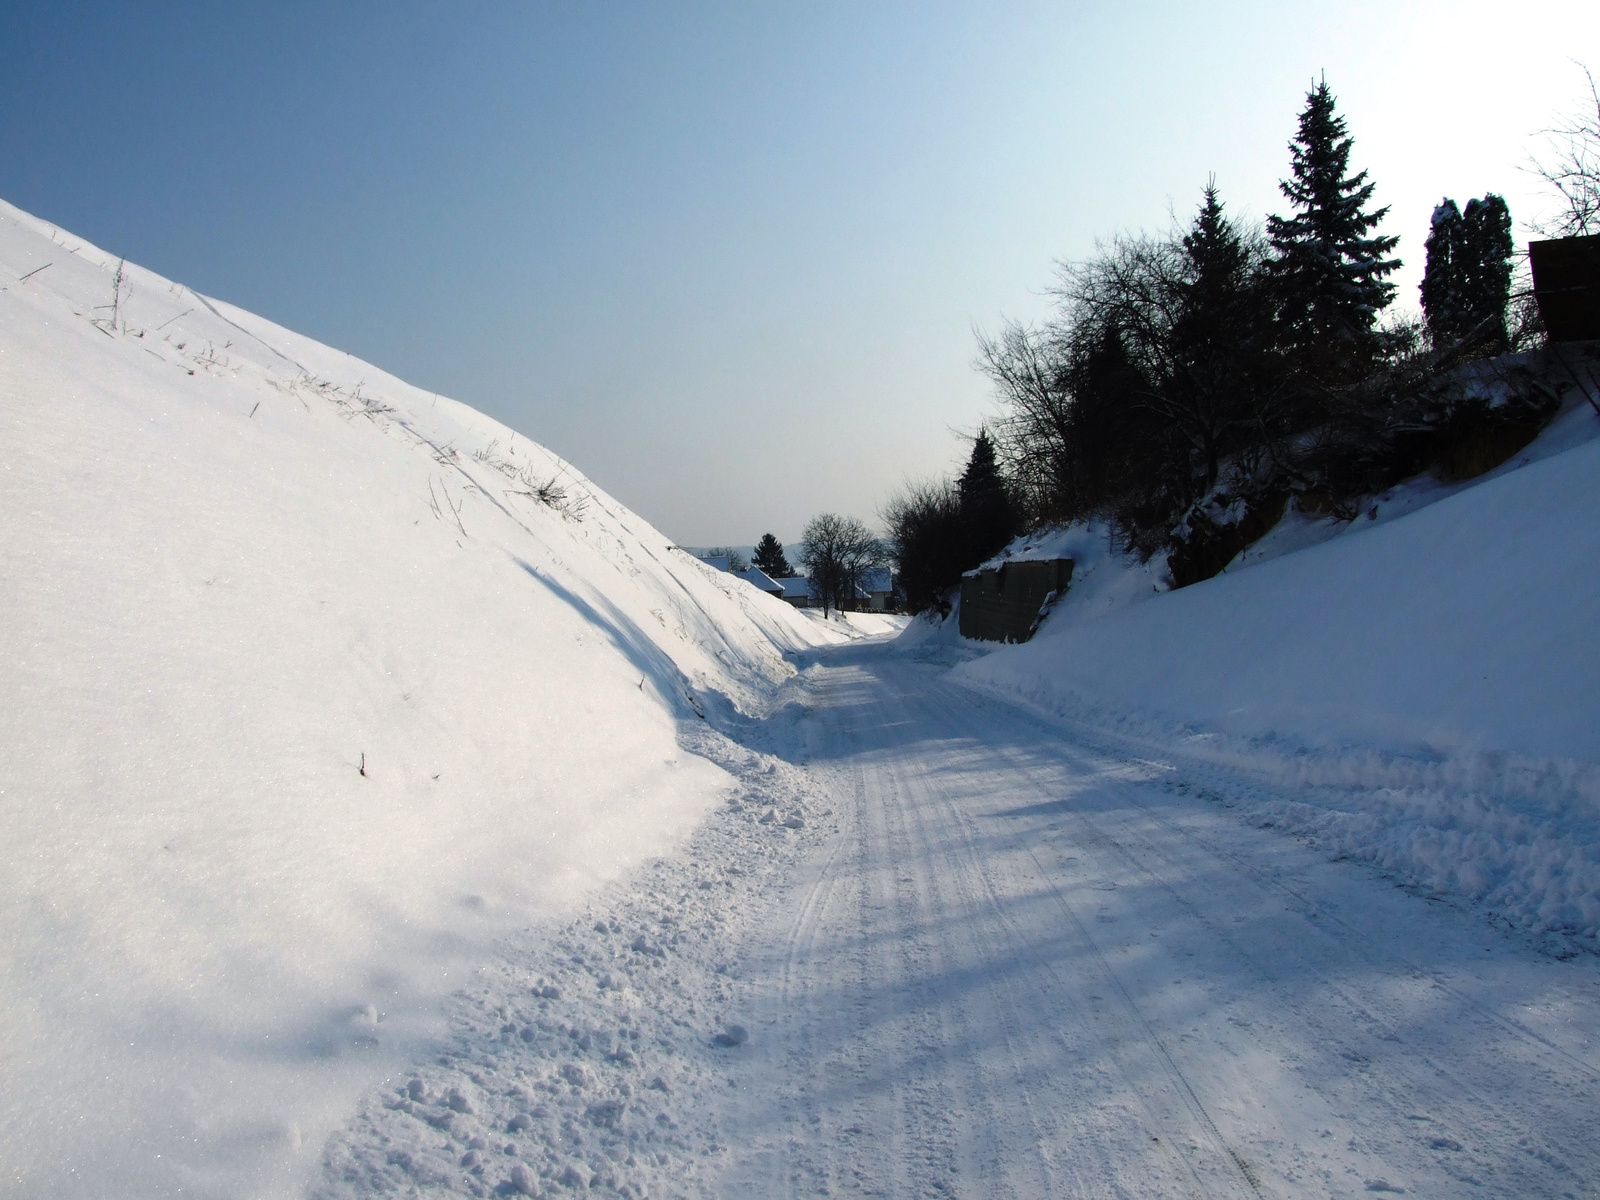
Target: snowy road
1029,967
979,954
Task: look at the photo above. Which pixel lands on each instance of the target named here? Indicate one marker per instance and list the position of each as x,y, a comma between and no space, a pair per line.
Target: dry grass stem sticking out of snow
455,509
547,492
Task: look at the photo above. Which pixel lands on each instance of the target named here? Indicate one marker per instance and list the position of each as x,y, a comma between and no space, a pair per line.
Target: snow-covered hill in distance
316,684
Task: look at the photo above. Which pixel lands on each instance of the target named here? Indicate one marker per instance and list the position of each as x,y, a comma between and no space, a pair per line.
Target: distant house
763,581
797,591
878,585
721,562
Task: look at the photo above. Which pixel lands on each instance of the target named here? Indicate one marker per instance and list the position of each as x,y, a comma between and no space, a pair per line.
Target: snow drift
1418,688
317,682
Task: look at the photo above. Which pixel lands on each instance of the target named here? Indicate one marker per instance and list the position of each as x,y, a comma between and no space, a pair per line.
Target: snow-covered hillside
1464,623
1418,688
316,683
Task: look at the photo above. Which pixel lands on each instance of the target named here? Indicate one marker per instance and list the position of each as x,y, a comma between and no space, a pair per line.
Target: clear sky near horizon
728,259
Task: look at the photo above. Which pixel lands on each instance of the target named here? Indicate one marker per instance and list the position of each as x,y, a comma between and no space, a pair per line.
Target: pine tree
769,558
1329,268
988,519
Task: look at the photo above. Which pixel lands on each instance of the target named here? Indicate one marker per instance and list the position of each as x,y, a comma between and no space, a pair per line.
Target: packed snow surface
934,945
317,684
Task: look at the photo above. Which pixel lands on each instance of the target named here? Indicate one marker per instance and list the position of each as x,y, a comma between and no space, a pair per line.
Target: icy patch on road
587,1056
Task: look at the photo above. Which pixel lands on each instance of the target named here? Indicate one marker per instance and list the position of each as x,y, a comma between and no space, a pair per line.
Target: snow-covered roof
877,579
798,587
1078,542
721,562
761,579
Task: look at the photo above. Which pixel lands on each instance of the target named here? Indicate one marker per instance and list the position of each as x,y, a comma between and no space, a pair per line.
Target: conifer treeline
1192,383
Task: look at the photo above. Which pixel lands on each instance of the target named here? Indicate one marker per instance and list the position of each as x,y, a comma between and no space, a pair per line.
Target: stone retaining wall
1003,604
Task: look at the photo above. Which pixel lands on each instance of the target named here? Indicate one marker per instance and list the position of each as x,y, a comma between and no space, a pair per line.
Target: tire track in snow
1448,1091
904,822
1358,1041
1142,1031
1285,1059
1228,787
1009,967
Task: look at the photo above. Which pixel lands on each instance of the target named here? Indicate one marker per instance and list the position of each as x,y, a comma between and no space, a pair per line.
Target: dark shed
1566,284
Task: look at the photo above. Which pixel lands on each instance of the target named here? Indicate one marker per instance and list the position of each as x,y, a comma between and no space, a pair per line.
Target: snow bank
1466,624
1418,689
317,682
859,624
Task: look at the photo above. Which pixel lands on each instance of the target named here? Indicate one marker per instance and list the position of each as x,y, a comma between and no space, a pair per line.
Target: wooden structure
1566,284
1006,603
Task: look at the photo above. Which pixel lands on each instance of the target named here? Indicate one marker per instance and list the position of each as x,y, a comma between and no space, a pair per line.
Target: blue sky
728,259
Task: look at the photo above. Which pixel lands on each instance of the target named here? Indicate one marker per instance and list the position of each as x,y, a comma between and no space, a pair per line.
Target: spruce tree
1217,264
1329,267
1215,336
988,519
769,558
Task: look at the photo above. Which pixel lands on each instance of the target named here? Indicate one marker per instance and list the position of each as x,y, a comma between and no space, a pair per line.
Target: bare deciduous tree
839,550
925,537
1035,434
1572,169
1128,403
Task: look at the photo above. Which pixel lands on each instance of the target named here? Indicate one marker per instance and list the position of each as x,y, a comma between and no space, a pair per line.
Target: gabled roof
798,587
720,561
762,580
877,579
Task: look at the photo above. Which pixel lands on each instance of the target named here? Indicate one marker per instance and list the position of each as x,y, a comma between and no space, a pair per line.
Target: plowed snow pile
316,683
